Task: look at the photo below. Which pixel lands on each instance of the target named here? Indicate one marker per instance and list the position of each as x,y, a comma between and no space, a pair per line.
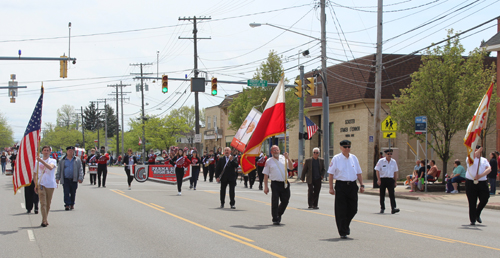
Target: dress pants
251,177
313,190
102,169
130,178
223,186
260,175
211,172
45,200
195,173
346,205
179,175
93,179
69,191
279,199
205,173
30,197
493,185
473,192
387,183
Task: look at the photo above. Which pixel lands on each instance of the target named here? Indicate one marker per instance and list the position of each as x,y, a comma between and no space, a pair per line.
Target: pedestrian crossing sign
389,125
389,135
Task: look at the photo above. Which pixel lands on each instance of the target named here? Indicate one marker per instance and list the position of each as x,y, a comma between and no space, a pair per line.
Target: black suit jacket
230,173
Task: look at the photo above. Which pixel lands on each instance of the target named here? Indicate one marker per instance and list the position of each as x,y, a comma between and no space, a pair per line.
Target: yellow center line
400,230
233,234
157,206
201,226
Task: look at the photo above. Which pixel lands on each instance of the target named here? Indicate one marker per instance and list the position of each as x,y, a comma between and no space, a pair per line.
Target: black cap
102,147
70,148
345,143
388,150
477,147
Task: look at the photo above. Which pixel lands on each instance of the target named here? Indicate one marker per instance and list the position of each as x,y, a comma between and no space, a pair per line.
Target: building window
208,122
215,121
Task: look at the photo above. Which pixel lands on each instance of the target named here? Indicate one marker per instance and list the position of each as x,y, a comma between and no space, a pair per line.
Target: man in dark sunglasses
313,172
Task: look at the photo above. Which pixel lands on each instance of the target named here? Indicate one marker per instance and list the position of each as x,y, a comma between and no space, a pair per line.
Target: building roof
492,42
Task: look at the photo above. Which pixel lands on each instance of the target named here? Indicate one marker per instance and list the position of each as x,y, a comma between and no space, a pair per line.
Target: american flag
311,128
28,149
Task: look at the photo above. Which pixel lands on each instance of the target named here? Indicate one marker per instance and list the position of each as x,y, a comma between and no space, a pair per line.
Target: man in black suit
225,172
313,172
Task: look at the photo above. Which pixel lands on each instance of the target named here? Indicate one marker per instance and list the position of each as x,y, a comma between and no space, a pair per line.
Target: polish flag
478,123
140,141
271,123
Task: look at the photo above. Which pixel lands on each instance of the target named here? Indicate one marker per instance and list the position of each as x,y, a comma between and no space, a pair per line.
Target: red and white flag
140,141
478,123
28,149
271,123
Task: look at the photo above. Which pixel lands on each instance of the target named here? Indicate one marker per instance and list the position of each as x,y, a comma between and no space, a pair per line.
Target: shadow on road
256,227
472,227
8,232
337,239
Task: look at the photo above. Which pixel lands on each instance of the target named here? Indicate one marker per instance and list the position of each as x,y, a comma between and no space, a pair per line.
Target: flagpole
38,153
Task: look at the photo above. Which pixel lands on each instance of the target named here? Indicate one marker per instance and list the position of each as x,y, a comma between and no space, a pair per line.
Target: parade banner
158,173
246,130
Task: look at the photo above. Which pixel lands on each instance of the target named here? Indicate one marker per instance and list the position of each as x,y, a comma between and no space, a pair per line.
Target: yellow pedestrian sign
389,125
389,135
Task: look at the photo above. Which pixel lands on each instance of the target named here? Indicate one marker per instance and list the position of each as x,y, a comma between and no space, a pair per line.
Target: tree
447,89
188,113
6,133
66,116
111,119
91,117
270,70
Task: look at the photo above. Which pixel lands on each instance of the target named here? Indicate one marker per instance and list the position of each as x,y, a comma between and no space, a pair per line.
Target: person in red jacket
102,167
261,163
180,162
151,157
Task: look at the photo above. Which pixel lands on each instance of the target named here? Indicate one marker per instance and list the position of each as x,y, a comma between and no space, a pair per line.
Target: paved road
151,221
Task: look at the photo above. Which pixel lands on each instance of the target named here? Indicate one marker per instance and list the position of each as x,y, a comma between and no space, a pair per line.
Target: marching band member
180,161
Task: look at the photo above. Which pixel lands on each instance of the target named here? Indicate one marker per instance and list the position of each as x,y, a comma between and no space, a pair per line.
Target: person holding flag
46,182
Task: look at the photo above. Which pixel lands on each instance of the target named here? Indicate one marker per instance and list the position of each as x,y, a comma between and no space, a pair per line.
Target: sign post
389,128
421,127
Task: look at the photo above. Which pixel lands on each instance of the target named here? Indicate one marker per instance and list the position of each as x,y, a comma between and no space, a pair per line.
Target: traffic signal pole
301,126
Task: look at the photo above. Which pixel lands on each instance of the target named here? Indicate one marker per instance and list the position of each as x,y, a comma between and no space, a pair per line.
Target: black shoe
473,223
316,207
310,207
478,219
222,206
395,210
260,187
66,208
191,187
43,224
233,207
382,210
276,223
36,212
28,211
343,237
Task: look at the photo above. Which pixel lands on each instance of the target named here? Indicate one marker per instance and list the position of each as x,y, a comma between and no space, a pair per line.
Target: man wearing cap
344,168
313,172
476,185
69,173
387,171
275,169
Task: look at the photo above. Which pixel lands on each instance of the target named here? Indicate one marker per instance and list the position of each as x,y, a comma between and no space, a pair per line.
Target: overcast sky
108,36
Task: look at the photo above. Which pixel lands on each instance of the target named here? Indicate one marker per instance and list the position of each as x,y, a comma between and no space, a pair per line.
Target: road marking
31,236
233,234
199,225
157,206
399,230
23,206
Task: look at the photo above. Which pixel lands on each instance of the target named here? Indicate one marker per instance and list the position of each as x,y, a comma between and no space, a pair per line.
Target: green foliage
188,113
66,116
91,117
6,133
447,89
270,70
112,121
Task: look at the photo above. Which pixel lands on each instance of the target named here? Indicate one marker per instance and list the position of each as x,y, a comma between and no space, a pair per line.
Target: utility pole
378,93
117,117
301,123
196,103
326,102
143,116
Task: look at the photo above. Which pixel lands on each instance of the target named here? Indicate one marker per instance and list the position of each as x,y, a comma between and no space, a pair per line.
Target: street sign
257,83
197,138
389,125
389,135
420,124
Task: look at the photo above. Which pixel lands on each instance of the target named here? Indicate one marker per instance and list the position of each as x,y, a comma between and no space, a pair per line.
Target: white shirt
344,169
275,169
47,177
472,170
386,168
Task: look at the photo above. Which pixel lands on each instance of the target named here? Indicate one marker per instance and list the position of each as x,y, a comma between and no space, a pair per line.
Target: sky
108,36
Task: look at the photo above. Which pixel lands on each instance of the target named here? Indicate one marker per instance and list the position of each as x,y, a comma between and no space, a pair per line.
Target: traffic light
214,86
63,67
298,93
164,84
310,86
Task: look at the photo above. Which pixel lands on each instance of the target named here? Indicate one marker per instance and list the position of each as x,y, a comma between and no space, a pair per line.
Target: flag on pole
472,135
140,141
271,123
28,149
312,128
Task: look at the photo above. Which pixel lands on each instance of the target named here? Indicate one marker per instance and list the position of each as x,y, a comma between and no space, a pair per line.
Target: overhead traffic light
310,85
298,93
214,86
63,67
164,84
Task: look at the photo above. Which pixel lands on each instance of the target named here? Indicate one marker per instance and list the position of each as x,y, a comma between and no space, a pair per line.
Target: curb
416,198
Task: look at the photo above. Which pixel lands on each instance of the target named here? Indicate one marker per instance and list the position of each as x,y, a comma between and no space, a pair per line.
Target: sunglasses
388,154
346,147
316,152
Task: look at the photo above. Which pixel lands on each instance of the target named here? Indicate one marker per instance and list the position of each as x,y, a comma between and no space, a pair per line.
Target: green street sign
257,83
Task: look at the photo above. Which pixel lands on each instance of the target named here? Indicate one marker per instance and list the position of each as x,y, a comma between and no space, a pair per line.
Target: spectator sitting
432,171
420,174
458,176
414,174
